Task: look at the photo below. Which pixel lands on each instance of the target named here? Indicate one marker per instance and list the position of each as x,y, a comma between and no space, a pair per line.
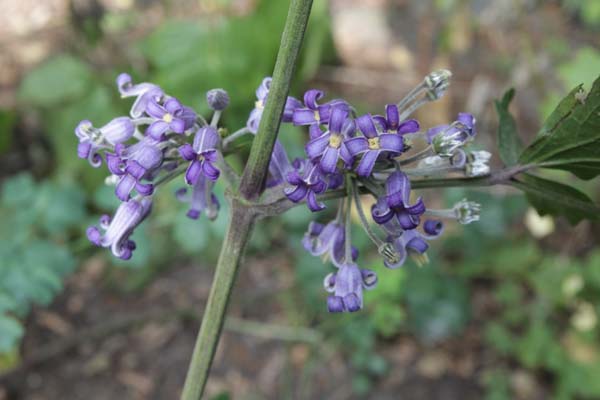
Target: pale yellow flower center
335,141
259,104
317,116
167,118
374,143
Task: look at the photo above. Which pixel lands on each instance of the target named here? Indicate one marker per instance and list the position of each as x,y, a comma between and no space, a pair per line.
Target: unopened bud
437,82
467,211
217,99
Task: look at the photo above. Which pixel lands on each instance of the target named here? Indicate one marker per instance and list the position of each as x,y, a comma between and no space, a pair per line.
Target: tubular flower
327,241
202,154
313,113
117,231
92,140
330,146
372,145
410,241
305,183
201,198
396,203
347,285
170,116
262,93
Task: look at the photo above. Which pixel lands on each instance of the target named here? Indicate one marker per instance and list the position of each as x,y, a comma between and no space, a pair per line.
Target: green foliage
36,222
7,123
509,144
437,303
58,80
569,140
589,10
554,198
539,300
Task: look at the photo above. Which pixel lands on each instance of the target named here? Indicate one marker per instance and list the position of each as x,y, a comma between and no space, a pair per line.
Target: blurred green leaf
7,122
59,79
570,138
11,332
190,235
509,143
554,198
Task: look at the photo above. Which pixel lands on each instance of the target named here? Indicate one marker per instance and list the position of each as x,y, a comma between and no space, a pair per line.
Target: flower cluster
146,149
346,154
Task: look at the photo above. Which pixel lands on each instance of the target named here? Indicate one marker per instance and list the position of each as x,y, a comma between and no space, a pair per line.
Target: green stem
238,233
243,213
262,146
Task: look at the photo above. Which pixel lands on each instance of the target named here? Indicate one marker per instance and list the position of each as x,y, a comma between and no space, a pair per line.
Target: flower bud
467,211
217,99
437,82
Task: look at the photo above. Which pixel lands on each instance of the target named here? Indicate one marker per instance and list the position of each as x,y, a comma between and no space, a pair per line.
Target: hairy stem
243,214
238,233
262,146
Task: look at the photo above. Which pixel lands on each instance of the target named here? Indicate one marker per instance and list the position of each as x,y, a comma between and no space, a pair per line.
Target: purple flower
202,154
279,166
202,199
397,205
261,98
134,163
315,114
347,285
306,182
330,146
391,122
372,145
169,116
327,240
116,232
448,138
406,241
91,139
143,91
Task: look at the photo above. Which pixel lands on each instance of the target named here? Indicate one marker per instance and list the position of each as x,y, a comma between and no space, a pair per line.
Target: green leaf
509,143
570,138
11,332
554,198
57,80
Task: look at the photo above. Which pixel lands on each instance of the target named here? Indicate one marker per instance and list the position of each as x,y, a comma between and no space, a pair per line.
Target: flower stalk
242,215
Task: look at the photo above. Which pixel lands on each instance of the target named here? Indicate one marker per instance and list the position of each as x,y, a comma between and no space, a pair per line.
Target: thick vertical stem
262,146
243,215
238,233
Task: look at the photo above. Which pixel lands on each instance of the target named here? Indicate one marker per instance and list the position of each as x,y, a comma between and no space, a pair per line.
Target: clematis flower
201,198
144,92
133,164
373,144
202,154
117,231
330,146
391,122
92,139
411,241
171,116
347,285
327,241
262,93
306,182
446,139
396,203
313,113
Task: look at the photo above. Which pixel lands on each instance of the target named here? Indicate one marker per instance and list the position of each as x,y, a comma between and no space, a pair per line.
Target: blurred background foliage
518,294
